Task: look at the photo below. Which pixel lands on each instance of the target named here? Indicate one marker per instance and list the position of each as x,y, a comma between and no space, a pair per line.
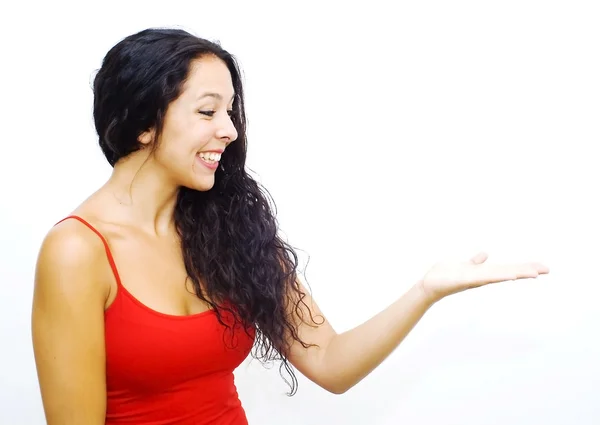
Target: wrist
425,295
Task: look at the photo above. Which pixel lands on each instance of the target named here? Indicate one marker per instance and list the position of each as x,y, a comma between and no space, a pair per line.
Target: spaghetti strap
111,260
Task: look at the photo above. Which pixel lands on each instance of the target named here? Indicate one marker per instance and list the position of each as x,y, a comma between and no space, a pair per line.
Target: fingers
520,271
479,258
492,273
527,272
530,270
541,269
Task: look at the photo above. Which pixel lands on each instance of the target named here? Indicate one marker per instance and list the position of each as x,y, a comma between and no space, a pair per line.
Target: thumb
479,258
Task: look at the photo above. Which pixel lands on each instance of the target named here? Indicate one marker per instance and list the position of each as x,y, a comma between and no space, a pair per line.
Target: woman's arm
68,325
340,361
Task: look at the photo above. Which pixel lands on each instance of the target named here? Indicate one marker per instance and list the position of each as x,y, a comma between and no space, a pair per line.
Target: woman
157,286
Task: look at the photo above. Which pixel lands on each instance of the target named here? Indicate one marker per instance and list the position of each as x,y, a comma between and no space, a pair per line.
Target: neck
146,196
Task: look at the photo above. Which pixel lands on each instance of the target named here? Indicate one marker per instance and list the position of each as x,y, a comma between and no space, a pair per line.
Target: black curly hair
233,254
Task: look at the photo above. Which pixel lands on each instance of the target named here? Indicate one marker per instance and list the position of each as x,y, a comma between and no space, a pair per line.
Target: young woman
158,285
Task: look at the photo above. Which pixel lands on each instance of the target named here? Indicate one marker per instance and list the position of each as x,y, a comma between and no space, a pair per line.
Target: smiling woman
160,283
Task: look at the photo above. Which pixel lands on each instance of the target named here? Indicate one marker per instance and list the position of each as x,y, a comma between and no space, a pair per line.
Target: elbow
337,391
337,388
334,382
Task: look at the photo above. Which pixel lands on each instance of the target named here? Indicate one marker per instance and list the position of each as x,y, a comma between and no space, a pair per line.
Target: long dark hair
233,254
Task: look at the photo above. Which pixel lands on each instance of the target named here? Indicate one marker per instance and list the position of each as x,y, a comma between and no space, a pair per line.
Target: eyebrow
214,95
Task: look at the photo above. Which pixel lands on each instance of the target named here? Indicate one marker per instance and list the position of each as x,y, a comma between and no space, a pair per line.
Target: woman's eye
212,113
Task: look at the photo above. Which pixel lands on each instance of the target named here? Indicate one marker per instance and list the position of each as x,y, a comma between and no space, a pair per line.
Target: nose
226,130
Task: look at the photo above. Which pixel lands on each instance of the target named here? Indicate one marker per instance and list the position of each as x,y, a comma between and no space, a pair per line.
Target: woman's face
197,126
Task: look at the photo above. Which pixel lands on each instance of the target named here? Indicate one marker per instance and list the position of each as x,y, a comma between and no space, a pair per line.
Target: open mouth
210,159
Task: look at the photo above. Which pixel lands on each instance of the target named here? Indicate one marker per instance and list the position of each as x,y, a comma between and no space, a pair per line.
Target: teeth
210,156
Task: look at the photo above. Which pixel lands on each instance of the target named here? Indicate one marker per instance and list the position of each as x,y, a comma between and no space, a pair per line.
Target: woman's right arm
70,293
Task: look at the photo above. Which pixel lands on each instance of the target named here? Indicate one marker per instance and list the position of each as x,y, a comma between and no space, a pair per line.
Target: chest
149,352
154,272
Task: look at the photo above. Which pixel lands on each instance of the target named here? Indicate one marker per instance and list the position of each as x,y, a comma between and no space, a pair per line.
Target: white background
391,136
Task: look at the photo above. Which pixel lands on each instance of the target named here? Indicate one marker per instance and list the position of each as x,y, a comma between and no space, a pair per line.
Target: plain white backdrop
391,136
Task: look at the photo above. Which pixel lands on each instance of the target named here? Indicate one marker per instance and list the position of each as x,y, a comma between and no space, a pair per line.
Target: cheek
183,138
168,155
203,133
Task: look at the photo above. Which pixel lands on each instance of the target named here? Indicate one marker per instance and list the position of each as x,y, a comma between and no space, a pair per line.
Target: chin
202,184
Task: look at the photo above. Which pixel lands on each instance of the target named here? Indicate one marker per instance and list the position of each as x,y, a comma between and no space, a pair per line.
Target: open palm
445,279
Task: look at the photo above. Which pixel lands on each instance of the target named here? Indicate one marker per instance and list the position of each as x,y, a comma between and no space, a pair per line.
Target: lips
209,159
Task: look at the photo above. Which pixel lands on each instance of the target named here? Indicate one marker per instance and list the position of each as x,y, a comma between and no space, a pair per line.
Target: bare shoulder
71,254
69,298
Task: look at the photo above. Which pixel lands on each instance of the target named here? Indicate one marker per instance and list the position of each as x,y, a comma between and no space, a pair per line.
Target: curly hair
233,255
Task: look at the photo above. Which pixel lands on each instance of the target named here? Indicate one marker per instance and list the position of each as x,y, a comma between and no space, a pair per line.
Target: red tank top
163,369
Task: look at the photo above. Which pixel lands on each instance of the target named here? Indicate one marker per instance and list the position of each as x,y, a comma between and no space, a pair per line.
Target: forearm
352,355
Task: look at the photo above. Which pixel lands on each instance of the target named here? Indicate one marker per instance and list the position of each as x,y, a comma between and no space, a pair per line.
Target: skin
74,283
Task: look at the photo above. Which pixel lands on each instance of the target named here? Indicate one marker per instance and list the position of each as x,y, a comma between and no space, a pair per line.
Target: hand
445,279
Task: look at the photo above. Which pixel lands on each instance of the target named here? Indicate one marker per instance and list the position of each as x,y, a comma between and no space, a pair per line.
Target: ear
146,137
